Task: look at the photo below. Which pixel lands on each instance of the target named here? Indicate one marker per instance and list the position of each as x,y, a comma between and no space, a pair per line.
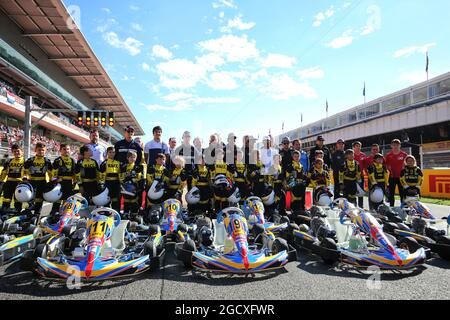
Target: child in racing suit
411,176
131,173
87,173
319,177
239,171
378,176
349,175
38,170
158,172
220,168
64,171
13,173
275,178
201,179
110,170
297,181
177,179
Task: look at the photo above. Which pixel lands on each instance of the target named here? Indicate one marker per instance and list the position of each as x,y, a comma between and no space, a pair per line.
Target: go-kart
227,247
418,229
18,233
353,236
107,251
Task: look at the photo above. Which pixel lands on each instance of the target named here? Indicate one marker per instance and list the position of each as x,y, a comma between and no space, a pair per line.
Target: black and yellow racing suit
276,177
64,170
157,173
378,176
131,172
38,171
177,181
220,167
239,171
411,177
349,175
256,178
201,180
110,176
297,175
319,178
88,175
13,173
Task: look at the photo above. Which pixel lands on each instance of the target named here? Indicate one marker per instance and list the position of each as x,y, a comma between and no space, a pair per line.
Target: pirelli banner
436,183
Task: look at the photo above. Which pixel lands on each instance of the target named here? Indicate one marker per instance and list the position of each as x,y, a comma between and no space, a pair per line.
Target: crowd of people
133,175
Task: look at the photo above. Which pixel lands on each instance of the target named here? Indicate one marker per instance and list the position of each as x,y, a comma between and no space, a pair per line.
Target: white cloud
129,44
106,25
137,27
189,102
311,73
158,51
340,42
221,14
322,16
347,4
179,74
146,67
238,24
179,106
224,4
134,8
107,10
176,96
278,61
406,52
373,22
210,61
226,100
283,87
412,77
233,48
222,81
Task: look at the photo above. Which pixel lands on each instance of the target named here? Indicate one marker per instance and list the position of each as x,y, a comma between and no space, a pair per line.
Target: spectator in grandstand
297,146
395,163
98,151
360,157
122,147
320,146
152,148
337,161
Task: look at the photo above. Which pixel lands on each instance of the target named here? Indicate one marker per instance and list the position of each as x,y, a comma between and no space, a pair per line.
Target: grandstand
43,55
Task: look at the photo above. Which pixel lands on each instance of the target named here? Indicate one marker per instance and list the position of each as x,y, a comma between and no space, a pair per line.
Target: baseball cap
340,141
396,141
286,140
129,129
320,138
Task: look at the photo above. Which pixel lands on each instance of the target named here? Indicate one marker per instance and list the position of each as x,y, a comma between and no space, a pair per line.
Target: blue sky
248,66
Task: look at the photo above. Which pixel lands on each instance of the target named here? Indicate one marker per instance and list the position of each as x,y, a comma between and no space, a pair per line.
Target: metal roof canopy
47,22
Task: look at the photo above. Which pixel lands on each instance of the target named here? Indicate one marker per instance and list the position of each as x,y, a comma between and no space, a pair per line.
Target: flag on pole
327,106
302,119
428,64
282,127
364,90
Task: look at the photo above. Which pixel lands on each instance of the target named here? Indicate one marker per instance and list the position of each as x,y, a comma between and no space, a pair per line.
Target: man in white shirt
267,153
98,151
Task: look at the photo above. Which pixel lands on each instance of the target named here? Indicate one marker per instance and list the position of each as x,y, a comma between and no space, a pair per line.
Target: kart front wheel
28,260
186,253
151,249
409,244
328,257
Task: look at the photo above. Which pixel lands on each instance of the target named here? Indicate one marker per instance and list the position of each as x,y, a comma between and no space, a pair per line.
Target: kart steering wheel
113,212
81,199
225,212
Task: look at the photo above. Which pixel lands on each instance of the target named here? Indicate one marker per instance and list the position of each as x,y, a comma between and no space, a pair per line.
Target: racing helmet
24,192
317,211
128,188
268,195
359,191
411,192
52,192
376,195
419,225
193,196
156,191
223,187
323,198
253,209
235,196
101,197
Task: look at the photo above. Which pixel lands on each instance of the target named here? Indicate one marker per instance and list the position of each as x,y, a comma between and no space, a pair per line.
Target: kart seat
118,236
220,234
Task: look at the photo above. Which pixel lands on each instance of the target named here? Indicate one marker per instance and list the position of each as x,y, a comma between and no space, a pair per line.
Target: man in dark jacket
286,154
320,146
123,146
337,161
187,151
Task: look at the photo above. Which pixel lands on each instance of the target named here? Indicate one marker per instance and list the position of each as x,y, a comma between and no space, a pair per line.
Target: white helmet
269,199
359,191
156,191
324,200
102,198
235,197
52,192
193,196
24,192
376,195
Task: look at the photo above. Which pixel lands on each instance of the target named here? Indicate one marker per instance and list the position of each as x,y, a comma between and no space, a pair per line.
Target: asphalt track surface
308,278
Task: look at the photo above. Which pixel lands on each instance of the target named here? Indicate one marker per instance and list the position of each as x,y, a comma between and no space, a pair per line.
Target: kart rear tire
285,219
409,244
330,244
204,221
154,230
443,240
279,245
27,262
186,254
151,249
